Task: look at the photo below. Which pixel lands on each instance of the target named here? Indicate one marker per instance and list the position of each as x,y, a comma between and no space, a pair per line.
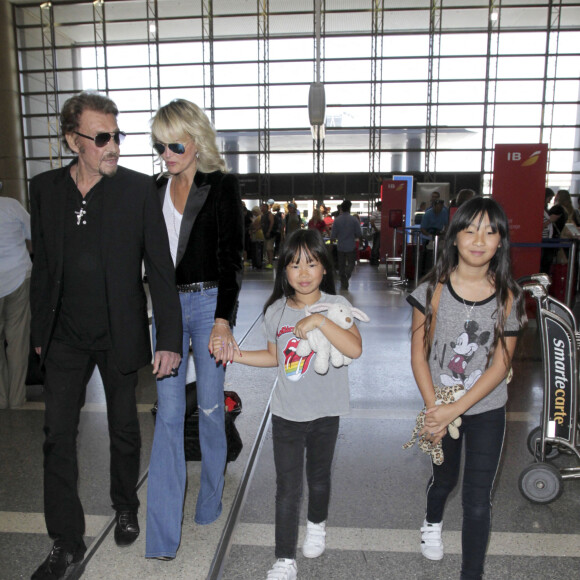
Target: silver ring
432,434
230,343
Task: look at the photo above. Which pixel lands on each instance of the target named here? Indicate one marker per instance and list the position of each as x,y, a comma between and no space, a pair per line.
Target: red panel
394,198
519,184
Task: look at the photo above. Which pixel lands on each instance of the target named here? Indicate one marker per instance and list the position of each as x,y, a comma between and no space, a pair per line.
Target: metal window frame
380,14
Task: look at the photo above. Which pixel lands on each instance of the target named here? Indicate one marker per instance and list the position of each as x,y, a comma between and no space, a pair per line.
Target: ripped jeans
167,470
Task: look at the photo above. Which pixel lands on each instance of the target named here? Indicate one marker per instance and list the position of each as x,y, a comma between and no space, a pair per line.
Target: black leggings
483,435
291,439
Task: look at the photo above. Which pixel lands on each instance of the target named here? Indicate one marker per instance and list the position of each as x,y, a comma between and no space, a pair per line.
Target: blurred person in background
15,266
375,222
346,230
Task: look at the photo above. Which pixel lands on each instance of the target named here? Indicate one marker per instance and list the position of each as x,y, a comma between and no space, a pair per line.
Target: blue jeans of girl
483,435
290,439
167,470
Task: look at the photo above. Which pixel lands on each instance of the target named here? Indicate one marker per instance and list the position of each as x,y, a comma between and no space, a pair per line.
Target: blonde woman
203,214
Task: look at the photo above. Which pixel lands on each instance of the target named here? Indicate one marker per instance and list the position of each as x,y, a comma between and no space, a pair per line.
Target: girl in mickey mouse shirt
466,337
305,405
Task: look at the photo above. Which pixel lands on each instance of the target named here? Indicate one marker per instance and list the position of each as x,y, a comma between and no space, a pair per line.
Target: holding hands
222,344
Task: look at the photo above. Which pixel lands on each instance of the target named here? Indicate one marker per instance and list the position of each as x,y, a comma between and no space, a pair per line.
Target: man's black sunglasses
178,148
101,139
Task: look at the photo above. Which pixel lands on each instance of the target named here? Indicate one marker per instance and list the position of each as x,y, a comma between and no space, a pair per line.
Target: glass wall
413,85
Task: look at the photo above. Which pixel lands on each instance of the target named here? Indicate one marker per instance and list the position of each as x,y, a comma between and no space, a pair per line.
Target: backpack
277,227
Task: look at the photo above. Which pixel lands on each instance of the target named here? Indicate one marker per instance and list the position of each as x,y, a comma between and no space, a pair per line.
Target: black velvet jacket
133,231
211,239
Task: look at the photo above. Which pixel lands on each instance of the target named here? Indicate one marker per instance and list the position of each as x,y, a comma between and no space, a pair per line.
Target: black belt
196,286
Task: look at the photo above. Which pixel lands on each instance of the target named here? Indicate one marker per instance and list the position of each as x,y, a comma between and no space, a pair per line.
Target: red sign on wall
394,198
519,185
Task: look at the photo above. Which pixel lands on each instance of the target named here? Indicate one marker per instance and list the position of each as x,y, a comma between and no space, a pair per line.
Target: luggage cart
559,431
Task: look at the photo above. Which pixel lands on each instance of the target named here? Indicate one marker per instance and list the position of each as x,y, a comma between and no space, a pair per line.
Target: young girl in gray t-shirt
466,318
305,405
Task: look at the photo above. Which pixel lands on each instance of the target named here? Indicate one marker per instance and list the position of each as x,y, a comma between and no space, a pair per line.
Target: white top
376,217
15,264
172,221
548,229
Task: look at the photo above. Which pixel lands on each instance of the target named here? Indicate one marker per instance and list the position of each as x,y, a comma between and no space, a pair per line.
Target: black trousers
346,262
290,439
375,251
257,254
482,435
68,371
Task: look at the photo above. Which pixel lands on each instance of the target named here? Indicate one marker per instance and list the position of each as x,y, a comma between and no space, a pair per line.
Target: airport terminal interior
417,88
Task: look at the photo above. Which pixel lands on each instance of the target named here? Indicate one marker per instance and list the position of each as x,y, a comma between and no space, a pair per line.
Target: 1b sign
519,184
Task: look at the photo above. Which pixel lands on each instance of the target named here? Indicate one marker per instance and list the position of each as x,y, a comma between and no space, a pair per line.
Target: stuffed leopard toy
443,395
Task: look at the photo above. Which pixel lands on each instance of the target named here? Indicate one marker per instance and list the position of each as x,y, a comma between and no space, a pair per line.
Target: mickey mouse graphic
464,347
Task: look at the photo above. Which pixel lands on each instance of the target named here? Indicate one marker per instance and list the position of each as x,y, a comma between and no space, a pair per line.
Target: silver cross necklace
81,211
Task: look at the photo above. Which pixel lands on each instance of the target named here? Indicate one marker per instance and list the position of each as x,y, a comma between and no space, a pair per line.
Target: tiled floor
378,489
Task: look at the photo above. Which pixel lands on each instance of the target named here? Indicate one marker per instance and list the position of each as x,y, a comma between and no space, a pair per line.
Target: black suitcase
233,407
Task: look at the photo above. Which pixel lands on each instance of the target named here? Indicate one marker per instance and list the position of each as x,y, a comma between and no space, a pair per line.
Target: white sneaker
283,569
431,542
315,540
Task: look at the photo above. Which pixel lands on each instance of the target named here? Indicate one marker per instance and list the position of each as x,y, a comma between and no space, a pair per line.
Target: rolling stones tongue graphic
295,366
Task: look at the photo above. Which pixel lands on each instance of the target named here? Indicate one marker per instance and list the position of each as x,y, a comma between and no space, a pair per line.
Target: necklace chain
82,211
468,310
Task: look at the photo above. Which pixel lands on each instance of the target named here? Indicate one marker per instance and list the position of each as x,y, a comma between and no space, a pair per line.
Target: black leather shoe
127,528
57,562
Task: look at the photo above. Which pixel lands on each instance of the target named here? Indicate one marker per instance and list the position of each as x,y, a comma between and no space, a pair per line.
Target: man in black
93,225
346,230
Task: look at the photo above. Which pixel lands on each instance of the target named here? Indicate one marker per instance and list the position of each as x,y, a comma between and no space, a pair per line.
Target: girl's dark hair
311,243
499,272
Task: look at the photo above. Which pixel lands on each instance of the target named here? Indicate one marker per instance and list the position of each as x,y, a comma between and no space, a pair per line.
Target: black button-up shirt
83,317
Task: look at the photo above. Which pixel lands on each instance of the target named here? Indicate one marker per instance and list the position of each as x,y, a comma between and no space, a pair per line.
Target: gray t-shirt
301,394
463,337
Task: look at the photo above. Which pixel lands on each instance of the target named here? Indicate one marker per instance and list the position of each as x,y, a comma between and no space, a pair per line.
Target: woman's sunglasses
101,139
178,148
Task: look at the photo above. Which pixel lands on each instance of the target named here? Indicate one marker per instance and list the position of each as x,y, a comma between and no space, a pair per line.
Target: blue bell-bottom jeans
483,435
167,470
290,439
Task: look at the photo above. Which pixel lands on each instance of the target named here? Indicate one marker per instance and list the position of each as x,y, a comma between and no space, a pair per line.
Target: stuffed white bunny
343,316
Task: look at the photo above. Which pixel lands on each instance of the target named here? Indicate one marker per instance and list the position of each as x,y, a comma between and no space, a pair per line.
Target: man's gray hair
75,106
